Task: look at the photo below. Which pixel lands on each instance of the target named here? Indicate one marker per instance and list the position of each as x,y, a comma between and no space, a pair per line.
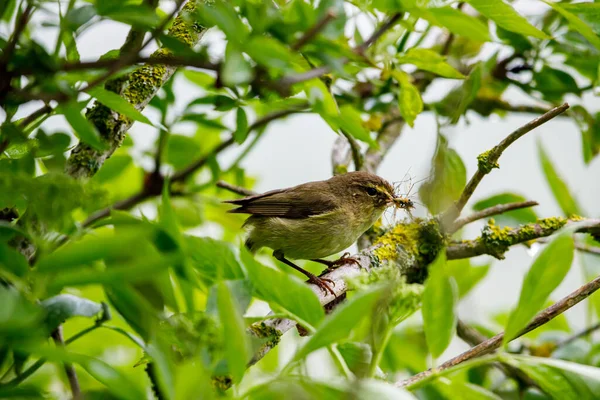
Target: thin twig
578,335
488,212
57,336
489,160
20,25
235,189
388,135
495,342
45,109
473,337
314,30
357,157
378,33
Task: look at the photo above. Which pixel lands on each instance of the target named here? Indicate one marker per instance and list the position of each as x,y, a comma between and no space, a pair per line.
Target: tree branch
378,33
496,241
57,336
235,189
389,133
489,160
579,335
314,30
488,212
495,342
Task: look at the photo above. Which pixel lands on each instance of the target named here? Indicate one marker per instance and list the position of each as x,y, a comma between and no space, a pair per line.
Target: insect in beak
403,202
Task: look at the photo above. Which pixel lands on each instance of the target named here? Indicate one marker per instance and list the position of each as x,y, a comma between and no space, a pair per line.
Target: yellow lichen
485,164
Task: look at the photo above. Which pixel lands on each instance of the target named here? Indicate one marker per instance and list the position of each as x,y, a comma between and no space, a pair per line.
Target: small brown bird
317,219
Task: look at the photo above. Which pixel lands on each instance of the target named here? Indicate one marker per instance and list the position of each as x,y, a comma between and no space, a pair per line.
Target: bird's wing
286,203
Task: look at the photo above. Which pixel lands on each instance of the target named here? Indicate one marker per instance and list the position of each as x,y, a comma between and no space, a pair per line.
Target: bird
316,219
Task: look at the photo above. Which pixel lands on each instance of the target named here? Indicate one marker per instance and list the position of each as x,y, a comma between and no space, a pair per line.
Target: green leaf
236,70
439,302
351,122
82,128
199,78
113,168
515,217
241,130
458,23
118,104
456,390
270,53
568,204
573,381
181,150
465,275
554,83
237,351
590,131
409,98
118,383
448,179
506,17
429,60
334,328
576,23
64,306
12,260
548,270
214,259
223,15
469,91
137,15
284,290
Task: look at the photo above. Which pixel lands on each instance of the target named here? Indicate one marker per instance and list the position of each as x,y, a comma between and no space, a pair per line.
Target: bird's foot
344,259
323,283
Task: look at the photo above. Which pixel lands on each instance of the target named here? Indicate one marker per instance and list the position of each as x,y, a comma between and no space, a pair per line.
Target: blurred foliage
157,302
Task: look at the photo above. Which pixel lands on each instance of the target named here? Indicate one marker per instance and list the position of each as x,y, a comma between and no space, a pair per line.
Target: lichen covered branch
139,87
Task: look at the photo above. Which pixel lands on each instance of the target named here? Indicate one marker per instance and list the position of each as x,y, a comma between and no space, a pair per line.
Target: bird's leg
345,258
312,278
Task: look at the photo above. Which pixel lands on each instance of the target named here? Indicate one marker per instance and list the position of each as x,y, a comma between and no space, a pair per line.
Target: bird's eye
371,191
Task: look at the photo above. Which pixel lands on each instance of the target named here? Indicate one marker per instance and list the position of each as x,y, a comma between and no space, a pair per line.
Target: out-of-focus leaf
222,14
113,168
270,53
568,204
51,144
429,60
351,122
283,290
241,130
236,70
214,259
64,306
410,103
469,91
322,102
117,382
456,390
505,16
82,128
181,150
590,131
520,216
237,351
335,327
7,8
203,120
448,178
465,275
138,15
134,308
456,22
554,83
357,356
118,104
19,319
547,271
439,302
577,23
199,78
573,381
13,261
